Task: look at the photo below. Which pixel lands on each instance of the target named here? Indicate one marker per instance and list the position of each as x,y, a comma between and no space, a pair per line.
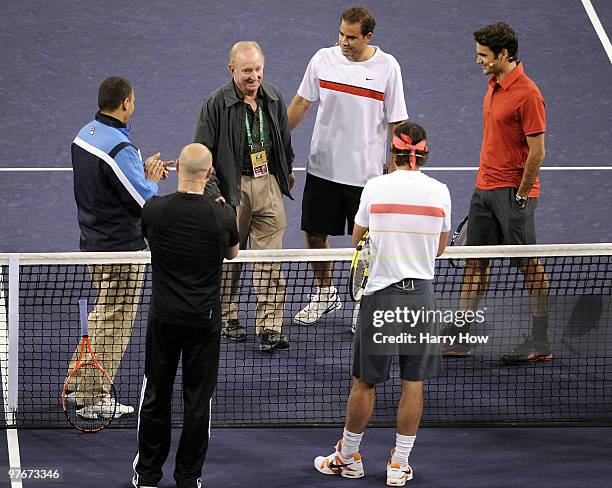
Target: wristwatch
521,201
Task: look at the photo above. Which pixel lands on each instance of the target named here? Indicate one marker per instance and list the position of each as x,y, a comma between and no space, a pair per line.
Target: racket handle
84,317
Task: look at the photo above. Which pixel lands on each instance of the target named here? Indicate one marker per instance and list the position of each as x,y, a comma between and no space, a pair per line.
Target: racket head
585,317
89,397
459,239
358,275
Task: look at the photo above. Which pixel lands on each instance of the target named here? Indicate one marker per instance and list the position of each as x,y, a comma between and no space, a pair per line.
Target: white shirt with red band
358,100
405,212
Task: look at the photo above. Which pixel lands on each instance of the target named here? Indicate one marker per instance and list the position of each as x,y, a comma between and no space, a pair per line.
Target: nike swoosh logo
369,79
332,465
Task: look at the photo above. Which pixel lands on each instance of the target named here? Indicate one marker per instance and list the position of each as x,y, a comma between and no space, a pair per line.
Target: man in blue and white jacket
111,185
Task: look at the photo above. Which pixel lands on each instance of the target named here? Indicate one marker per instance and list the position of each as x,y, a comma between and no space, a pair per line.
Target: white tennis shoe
322,302
398,475
336,464
105,409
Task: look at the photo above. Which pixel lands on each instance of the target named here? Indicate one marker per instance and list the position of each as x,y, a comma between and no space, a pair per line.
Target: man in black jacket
244,124
189,235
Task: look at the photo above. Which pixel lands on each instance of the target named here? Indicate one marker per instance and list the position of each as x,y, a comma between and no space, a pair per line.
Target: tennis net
309,383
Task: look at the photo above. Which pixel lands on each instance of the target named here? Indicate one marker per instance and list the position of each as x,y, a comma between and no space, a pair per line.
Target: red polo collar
514,75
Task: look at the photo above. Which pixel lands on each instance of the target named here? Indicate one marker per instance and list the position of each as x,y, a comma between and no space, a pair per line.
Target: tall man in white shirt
407,215
361,97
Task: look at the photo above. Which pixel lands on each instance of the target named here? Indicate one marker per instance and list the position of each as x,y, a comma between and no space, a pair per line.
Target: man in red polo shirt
507,186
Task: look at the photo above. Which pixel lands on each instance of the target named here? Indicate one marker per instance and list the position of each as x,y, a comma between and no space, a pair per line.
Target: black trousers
199,346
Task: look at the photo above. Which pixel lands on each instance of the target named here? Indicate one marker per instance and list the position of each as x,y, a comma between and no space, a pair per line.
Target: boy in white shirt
407,215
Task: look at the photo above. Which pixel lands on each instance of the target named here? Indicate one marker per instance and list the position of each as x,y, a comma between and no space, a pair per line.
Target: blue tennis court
55,54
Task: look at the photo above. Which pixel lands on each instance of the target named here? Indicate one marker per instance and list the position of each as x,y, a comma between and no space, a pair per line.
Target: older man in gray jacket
244,124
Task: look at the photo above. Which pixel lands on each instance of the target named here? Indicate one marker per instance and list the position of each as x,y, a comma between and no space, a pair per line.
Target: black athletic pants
199,346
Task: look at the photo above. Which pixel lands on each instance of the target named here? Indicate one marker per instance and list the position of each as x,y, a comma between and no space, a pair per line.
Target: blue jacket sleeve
128,178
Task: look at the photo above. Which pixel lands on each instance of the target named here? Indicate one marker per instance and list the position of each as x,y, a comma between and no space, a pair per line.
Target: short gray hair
243,46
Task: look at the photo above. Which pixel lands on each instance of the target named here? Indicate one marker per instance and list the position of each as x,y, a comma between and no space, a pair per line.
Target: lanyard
248,128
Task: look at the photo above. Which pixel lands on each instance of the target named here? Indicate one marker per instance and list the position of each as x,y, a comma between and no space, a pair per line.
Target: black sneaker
232,330
271,340
529,351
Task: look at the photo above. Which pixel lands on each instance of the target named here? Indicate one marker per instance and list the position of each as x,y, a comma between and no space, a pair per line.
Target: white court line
33,170
433,168
475,168
542,168
601,32
12,439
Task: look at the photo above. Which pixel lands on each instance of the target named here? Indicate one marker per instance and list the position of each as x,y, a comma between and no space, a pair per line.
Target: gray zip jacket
220,127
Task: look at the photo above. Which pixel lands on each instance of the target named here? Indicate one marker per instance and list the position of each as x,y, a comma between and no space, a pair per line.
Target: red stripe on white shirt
352,90
397,208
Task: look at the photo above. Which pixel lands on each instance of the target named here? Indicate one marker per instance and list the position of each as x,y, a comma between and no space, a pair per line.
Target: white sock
350,444
326,290
403,446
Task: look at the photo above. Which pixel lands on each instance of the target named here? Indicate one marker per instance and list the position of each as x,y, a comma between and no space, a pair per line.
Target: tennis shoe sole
332,308
530,358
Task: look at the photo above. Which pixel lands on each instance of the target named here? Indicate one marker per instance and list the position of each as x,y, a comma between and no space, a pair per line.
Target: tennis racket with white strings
358,275
459,239
86,404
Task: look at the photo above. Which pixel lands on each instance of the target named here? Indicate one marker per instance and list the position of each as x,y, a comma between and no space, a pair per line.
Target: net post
9,402
4,345
13,335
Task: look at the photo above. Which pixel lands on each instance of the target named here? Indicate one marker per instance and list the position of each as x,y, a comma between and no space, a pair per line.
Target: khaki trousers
261,222
110,324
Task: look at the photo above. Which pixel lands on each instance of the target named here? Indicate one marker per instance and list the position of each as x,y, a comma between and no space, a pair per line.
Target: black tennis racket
358,276
88,397
459,239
